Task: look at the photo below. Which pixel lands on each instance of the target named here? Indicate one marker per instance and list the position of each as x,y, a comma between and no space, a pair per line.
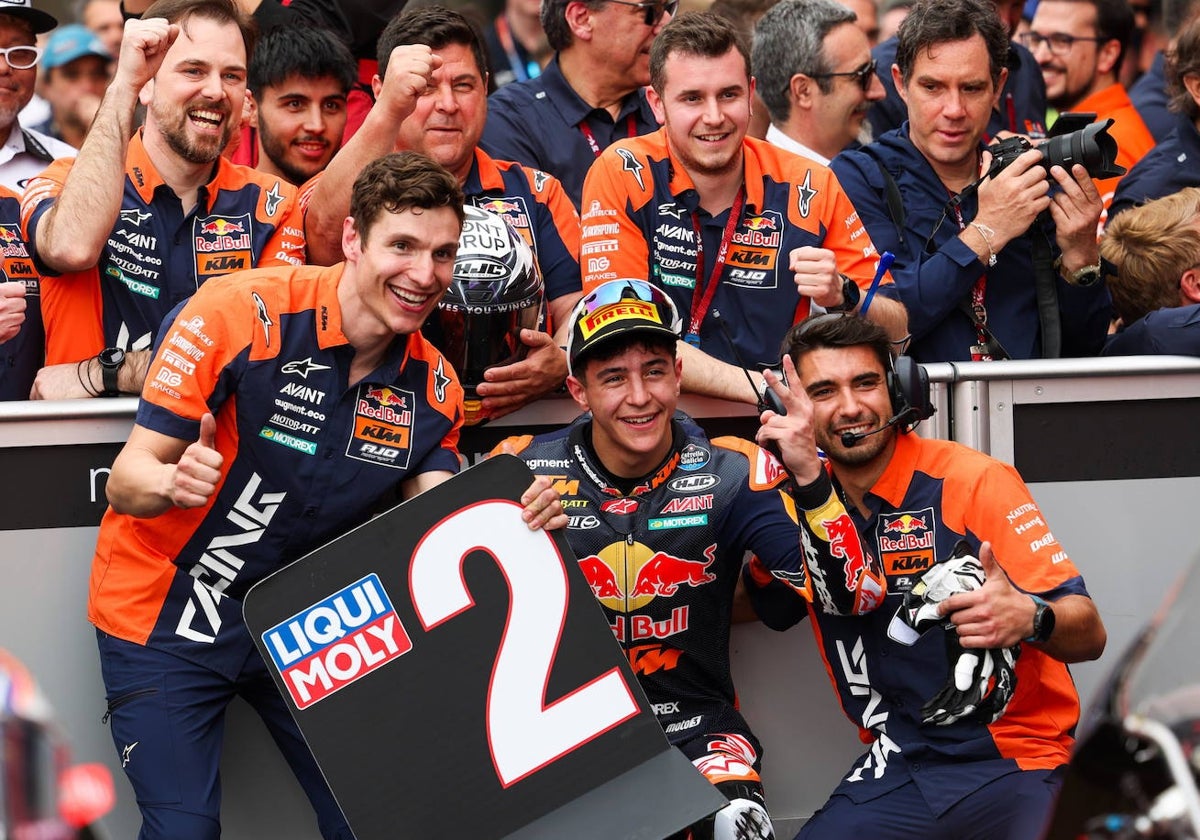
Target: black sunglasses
654,11
862,75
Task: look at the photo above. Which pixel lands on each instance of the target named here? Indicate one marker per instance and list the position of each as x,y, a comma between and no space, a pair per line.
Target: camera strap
1046,289
987,346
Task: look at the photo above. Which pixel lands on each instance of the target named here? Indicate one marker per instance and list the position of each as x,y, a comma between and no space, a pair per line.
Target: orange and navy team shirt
21,355
155,257
931,495
537,207
637,216
306,456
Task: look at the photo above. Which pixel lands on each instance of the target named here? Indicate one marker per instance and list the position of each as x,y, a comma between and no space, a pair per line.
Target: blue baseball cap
70,42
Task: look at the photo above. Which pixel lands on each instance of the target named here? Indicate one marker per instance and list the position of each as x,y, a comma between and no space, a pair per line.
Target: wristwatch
1089,275
111,360
1043,621
850,296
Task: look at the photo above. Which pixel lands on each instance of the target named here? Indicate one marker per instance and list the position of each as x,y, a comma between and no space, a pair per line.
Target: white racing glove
981,681
919,609
967,691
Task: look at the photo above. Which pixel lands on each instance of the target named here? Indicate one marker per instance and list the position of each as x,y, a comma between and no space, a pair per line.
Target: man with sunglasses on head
24,152
1079,46
590,93
664,518
985,272
813,68
743,236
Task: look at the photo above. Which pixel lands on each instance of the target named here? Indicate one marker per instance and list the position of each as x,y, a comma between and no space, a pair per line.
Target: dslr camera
1066,145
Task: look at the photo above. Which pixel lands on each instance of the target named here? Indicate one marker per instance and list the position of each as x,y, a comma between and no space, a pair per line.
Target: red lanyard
979,350
703,293
630,129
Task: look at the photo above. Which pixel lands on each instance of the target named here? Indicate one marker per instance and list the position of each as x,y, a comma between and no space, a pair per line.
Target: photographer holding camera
1004,266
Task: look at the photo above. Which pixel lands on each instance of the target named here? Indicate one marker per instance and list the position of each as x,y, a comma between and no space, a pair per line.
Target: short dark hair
554,21
435,26
694,33
1183,59
304,51
933,22
1114,22
402,181
836,330
649,341
219,11
790,39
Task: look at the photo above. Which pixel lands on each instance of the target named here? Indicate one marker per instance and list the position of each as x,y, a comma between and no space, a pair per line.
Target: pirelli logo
618,312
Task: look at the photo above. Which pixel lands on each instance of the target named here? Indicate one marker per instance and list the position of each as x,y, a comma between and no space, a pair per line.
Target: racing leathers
663,553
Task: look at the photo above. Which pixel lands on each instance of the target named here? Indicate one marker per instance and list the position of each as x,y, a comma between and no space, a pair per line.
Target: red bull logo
905,523
601,578
221,227
7,235
906,541
386,396
500,206
761,223
663,574
844,543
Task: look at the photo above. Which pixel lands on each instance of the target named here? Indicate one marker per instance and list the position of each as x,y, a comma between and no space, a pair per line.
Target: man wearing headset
979,593
662,517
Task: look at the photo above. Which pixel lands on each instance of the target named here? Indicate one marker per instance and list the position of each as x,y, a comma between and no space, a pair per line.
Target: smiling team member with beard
135,223
299,80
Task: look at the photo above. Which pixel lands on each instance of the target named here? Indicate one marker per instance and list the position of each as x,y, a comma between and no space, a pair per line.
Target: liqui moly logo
337,641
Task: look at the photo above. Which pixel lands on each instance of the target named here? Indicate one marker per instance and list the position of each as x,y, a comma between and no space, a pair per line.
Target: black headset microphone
907,385
850,439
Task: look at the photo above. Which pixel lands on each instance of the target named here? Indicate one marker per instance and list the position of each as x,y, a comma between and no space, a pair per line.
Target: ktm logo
750,258
224,262
909,563
389,435
646,659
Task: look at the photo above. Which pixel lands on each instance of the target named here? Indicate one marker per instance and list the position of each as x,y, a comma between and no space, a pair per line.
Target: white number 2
524,734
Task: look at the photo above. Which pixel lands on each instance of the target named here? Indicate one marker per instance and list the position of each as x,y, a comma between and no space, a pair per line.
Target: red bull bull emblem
600,577
663,574
760,223
221,227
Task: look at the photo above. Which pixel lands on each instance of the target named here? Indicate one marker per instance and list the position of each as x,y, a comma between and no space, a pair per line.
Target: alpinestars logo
440,381
632,164
806,194
273,199
264,317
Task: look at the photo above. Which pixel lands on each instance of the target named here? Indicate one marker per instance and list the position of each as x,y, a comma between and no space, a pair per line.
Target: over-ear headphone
907,381
908,387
